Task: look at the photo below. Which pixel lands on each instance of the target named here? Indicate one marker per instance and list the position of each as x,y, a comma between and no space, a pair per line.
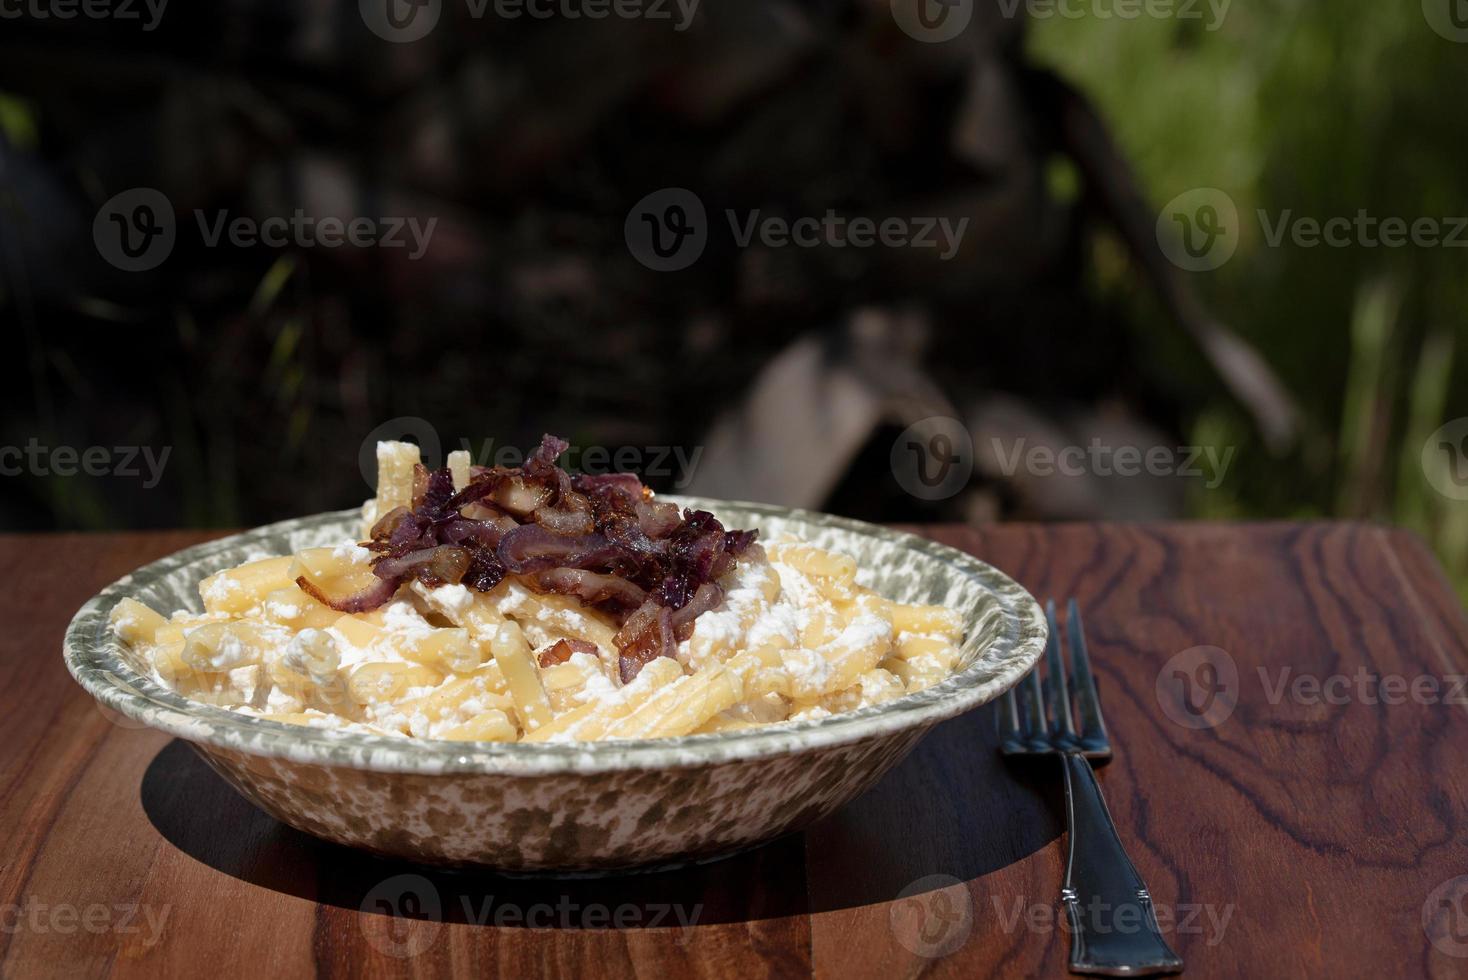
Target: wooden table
1298,836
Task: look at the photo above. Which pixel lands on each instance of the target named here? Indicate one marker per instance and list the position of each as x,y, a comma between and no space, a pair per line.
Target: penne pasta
938,620
396,462
476,612
294,608
491,726
937,649
590,721
331,572
443,645
216,647
547,618
458,464
450,650
377,682
236,591
817,562
479,691
135,623
513,656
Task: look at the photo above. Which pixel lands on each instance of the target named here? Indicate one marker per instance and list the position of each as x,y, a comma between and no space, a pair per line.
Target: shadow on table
952,809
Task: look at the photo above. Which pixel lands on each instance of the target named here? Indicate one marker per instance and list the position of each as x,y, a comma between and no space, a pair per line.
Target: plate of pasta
529,669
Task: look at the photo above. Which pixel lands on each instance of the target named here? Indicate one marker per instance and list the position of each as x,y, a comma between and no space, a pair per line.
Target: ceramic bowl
573,807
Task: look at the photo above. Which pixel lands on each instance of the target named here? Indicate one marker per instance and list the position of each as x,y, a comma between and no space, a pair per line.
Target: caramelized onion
592,588
531,548
439,491
520,497
443,564
486,532
572,515
485,570
388,524
653,638
657,520
561,651
374,595
602,539
707,597
628,483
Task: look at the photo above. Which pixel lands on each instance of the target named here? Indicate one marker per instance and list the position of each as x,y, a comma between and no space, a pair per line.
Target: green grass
1315,111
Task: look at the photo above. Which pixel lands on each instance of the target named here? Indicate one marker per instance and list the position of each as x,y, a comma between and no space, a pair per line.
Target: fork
1123,939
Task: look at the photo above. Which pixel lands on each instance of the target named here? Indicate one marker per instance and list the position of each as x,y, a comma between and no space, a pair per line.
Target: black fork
1114,928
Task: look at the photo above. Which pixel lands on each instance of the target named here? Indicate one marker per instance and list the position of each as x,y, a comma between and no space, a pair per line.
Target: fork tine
1061,723
1010,738
1036,730
1088,705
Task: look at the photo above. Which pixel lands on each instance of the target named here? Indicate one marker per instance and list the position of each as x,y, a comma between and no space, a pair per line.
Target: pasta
794,636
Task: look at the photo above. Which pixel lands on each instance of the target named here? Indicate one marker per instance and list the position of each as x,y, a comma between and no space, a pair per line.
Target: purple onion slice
609,592
378,593
532,548
601,538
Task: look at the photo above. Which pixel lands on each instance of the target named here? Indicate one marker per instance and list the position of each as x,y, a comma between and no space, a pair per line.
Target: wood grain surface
1317,829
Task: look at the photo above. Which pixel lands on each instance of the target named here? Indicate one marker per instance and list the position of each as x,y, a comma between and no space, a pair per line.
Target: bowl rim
93,656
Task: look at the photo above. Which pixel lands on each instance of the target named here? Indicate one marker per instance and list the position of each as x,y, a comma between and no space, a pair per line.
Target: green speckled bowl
582,806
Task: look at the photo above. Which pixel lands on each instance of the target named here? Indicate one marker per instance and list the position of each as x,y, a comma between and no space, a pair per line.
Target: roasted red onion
487,532
657,520
443,564
521,497
707,597
388,524
600,538
572,516
647,635
374,595
609,592
562,650
530,548
485,570
628,483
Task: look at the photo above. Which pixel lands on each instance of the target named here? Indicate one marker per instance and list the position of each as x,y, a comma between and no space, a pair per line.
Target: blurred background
901,259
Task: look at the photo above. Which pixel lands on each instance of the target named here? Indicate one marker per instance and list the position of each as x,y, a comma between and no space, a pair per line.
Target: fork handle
1113,926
